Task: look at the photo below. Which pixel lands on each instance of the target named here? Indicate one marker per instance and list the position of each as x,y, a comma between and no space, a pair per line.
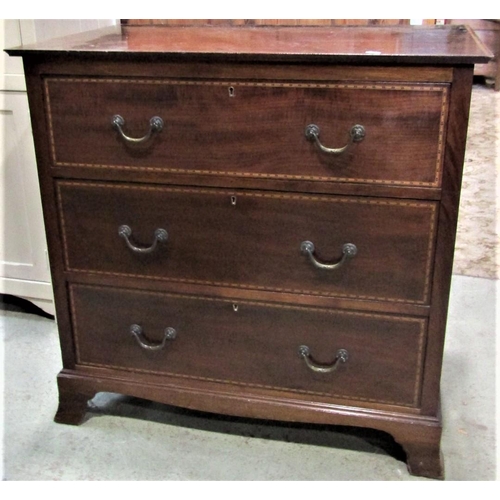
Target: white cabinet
23,264
24,269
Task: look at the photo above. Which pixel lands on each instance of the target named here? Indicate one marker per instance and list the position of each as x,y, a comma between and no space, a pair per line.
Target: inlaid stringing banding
431,206
421,342
360,86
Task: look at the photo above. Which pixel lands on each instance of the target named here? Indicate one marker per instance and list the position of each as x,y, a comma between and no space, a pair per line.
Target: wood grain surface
238,188
254,346
253,243
249,128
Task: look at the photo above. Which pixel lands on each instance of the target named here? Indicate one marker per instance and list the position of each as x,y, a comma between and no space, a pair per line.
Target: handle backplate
349,250
136,331
305,353
356,134
160,236
155,125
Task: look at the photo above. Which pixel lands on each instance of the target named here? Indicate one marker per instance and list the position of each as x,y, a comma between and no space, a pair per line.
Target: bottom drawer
353,356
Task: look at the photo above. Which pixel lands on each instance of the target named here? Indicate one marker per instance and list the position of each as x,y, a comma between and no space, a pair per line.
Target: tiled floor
129,439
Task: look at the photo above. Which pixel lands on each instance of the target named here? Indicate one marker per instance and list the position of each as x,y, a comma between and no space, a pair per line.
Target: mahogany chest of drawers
256,221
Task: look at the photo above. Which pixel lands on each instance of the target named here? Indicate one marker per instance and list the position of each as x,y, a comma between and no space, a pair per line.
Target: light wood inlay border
443,88
425,205
422,324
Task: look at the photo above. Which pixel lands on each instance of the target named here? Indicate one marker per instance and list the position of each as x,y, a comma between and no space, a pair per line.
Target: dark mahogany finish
238,187
252,344
206,128
252,239
368,45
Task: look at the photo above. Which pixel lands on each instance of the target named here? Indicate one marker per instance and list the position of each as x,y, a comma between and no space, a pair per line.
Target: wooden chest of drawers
256,221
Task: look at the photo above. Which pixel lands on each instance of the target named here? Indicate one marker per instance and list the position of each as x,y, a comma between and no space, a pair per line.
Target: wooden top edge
450,44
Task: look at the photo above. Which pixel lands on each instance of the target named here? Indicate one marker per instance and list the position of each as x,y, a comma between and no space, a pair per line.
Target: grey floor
130,439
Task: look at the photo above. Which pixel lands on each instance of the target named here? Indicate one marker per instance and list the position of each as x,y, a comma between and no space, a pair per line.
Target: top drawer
251,128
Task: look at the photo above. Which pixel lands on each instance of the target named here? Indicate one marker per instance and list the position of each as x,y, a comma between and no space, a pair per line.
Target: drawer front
251,240
251,129
251,344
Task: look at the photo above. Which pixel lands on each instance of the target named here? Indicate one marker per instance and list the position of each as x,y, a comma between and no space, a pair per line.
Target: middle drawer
363,248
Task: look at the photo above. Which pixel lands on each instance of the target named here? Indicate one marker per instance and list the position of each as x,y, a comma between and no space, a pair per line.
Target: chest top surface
341,44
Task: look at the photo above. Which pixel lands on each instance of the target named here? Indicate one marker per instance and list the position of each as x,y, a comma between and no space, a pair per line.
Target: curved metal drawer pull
136,331
341,357
155,125
161,236
356,134
349,250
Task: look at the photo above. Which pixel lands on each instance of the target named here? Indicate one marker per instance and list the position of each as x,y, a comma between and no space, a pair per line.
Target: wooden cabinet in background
267,22
488,31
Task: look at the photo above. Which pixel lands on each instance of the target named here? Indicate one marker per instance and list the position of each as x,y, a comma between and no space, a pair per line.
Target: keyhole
233,200
235,307
231,91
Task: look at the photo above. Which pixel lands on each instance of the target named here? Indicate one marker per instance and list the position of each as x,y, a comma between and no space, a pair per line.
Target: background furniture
488,31
269,22
24,266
